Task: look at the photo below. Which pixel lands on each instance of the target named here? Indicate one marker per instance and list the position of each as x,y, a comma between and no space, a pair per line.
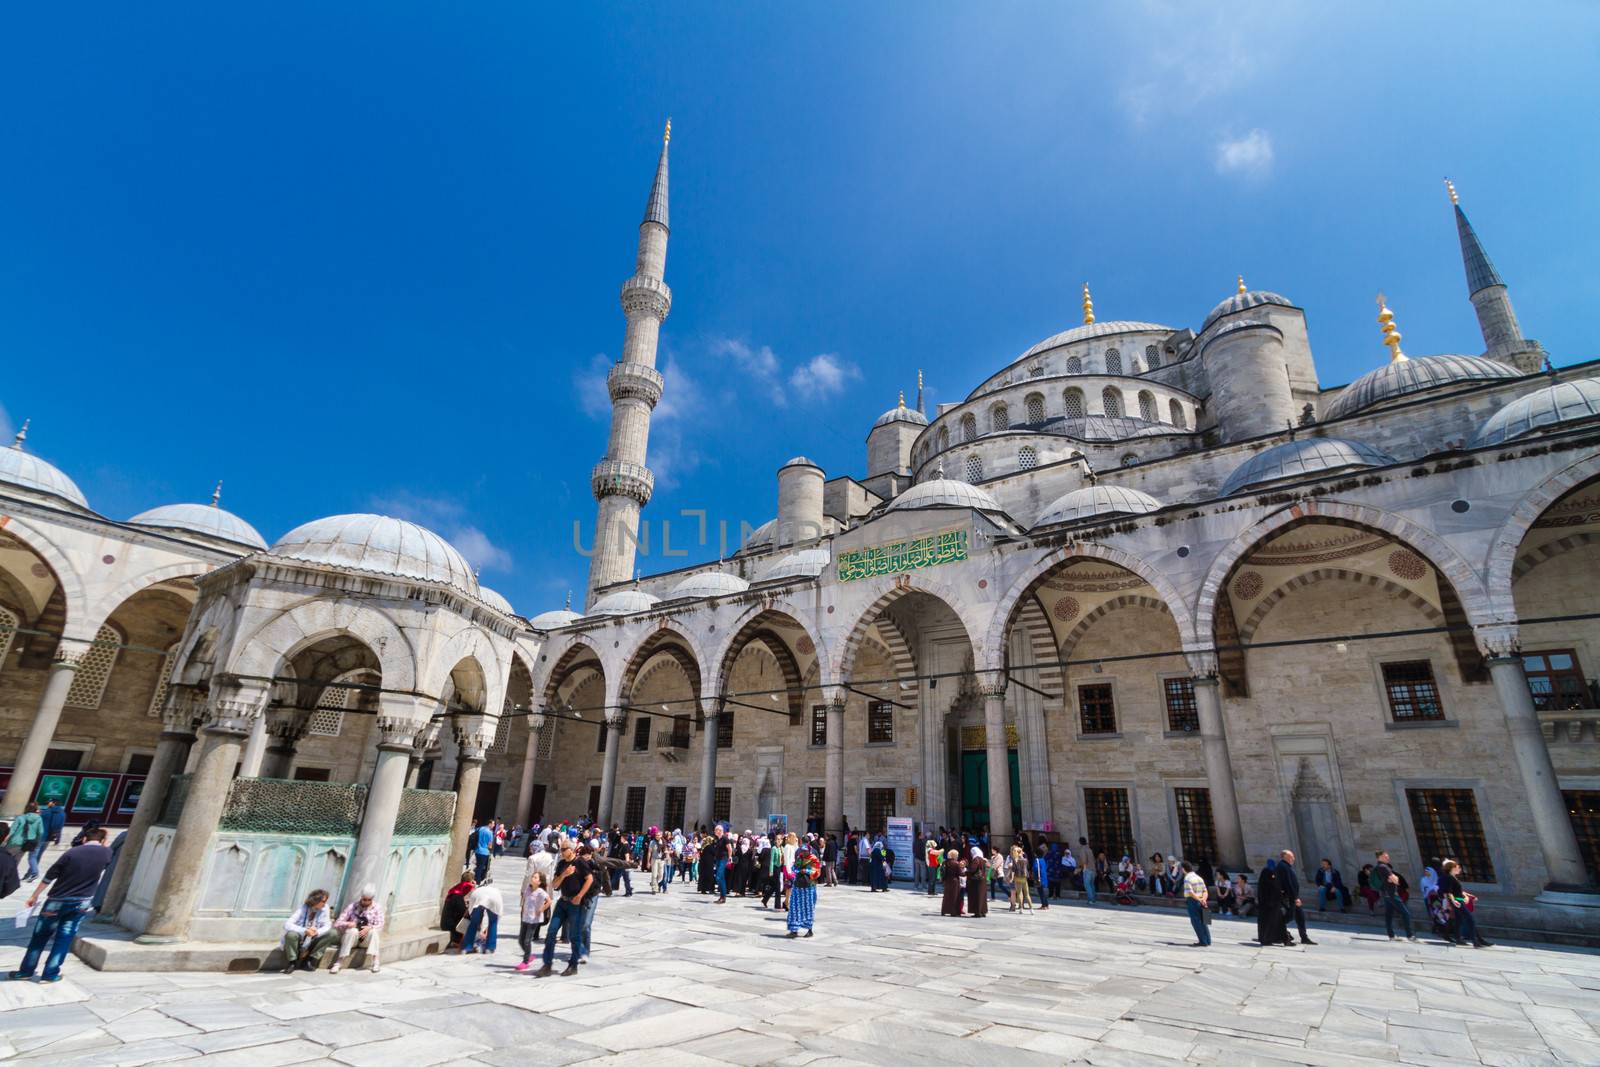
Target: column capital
184,709
473,736
835,696
1202,663
288,725
234,704
538,720
67,659
1498,640
426,737
395,731
993,684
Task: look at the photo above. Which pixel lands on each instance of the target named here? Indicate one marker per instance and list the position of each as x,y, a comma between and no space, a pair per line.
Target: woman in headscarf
951,872
743,868
880,867
802,879
978,885
455,905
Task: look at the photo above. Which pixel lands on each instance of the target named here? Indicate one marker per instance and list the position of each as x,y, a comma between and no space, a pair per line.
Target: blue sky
366,257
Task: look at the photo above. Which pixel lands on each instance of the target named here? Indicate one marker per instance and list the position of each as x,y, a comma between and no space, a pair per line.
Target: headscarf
1430,882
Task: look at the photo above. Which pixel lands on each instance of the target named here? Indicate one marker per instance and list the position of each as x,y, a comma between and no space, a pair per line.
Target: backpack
1375,880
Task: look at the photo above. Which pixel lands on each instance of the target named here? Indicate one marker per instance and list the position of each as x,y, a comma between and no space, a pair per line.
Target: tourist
1330,886
308,933
9,880
1292,904
54,817
863,860
1274,906
535,910
1041,873
933,858
484,905
977,878
26,837
1364,887
1463,927
482,838
1244,897
454,913
72,879
574,881
1158,875
669,862
1017,868
790,846
1083,855
1387,884
770,861
830,861
720,855
952,871
1225,903
1195,899
358,926
802,879
542,861
879,871
997,874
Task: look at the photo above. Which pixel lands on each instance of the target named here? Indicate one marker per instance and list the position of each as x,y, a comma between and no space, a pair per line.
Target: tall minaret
1502,334
621,482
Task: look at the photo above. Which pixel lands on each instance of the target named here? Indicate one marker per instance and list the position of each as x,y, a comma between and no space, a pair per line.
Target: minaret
621,482
1502,334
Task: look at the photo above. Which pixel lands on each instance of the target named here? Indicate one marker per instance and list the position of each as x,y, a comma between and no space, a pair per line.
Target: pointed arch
1501,560
79,622
901,658
1132,600
1042,641
263,652
891,590
761,625
663,640
581,654
108,603
1325,574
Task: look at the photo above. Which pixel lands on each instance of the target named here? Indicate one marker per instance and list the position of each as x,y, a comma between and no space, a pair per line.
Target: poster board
777,824
902,843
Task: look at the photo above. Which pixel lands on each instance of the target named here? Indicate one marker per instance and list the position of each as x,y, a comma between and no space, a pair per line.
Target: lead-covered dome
901,413
27,471
379,544
495,600
1104,427
208,519
1097,500
1563,402
1297,459
1243,302
1091,331
944,493
554,620
1413,375
623,602
709,583
806,563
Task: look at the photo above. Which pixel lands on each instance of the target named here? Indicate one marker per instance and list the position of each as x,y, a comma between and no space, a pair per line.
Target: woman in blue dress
803,890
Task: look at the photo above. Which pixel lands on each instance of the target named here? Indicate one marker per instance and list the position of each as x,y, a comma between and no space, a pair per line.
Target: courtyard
676,980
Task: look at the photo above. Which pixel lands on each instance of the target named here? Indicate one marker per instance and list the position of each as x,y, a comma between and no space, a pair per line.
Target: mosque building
1154,586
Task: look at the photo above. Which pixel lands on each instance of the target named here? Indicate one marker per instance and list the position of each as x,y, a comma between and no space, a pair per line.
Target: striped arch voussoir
1324,574
1131,600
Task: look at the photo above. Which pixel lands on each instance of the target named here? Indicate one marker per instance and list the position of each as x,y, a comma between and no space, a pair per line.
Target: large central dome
379,544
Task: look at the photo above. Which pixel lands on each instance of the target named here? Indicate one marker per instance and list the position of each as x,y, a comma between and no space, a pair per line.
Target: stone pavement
886,980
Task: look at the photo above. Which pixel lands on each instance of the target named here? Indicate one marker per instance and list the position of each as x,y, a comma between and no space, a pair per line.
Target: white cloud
590,384
481,552
1249,155
824,376
449,520
5,425
761,364
818,378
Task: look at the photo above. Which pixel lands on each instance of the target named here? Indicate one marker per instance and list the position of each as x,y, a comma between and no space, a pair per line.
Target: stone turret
800,492
1257,361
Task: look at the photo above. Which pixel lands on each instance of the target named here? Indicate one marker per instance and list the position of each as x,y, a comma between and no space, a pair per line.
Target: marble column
255,750
396,725
1001,831
608,776
1219,775
833,793
30,757
708,766
471,744
232,710
183,710
536,727
1551,823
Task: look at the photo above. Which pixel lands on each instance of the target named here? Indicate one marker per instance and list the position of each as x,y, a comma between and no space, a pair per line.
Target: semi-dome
379,544
495,600
901,413
1298,459
27,471
208,519
1105,428
554,620
806,563
623,602
1243,302
1413,375
1090,331
1571,401
708,583
940,492
1098,500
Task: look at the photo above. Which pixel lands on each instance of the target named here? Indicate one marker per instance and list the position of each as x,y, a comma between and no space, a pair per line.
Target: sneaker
50,978
1411,937
338,965
18,976
793,933
524,965
374,965
808,933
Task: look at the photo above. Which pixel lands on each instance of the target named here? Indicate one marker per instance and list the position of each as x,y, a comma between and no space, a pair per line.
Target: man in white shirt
1195,895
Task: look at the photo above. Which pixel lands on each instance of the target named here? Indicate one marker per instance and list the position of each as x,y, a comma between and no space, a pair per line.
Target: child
535,908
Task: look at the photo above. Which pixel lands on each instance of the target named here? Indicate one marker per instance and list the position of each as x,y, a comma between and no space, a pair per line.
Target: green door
975,790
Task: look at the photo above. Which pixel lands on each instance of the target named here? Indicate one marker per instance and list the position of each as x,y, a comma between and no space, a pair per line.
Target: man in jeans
27,838
1389,892
575,880
72,879
1085,857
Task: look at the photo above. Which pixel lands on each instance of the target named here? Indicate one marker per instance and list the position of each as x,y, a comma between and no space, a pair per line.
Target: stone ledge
116,950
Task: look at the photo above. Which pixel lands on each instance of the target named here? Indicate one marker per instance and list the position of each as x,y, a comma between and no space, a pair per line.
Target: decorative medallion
1066,609
108,560
805,646
40,570
1248,585
1404,563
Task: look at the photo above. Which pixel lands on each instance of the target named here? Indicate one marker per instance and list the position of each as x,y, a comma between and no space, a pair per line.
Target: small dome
800,461
623,602
1098,500
1091,331
554,620
806,563
900,413
1298,459
205,519
1563,402
1243,302
709,583
28,471
379,544
495,600
944,493
1413,375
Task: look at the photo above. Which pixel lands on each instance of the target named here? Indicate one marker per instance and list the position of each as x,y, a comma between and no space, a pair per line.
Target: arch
1072,403
1113,361
1111,401
969,427
944,438
891,590
1550,550
662,640
1500,563
1175,415
756,617
1006,609
999,417
1147,406
1033,405
105,605
1049,676
474,643
1323,574
759,626
1074,365
263,652
570,662
78,622
901,658
1152,357
1131,600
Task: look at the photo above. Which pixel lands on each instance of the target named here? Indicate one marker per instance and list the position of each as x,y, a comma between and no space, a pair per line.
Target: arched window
1036,371
1147,406
1073,401
969,428
1027,458
1113,361
1035,406
1152,357
328,719
9,624
1130,460
94,670
944,438
999,417
163,674
974,469
1175,409
1074,365
1111,401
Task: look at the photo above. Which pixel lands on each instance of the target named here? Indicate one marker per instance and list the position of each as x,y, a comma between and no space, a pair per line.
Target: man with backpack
1387,883
27,838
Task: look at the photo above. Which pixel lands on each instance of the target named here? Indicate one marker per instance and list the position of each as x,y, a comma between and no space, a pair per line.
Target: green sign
93,794
901,556
56,787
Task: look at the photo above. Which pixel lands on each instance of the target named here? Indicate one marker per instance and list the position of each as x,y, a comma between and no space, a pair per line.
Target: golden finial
902,399
1391,336
666,134
1242,289
1088,306
1451,186
22,435
216,494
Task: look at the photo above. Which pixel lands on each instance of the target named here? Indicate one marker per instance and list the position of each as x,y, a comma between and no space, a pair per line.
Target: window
725,730
816,804
163,670
999,417
63,759
600,736
1556,680
680,731
1446,821
1072,402
1413,696
819,725
1129,460
1113,361
1106,817
312,774
1152,357
502,729
944,438
969,428
1096,710
1027,458
880,806
641,733
1197,835
594,801
1036,371
633,810
677,802
1074,365
94,670
9,624
1035,406
880,722
974,469
1175,415
1111,401
722,803
1182,714
328,718
1583,807
1147,406
547,739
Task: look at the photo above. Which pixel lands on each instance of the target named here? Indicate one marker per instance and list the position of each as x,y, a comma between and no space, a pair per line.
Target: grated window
1147,407
969,428
1035,404
1073,401
502,728
1197,834
328,718
9,625
1175,410
94,670
547,739
158,698
1027,458
974,469
1111,401
1113,361
1074,365
1152,357
999,417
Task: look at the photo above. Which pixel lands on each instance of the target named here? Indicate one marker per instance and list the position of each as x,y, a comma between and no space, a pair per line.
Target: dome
495,600
900,413
806,563
709,583
944,493
205,519
1243,302
379,544
800,461
1297,459
1563,402
623,602
1413,375
28,471
554,620
1091,331
1105,428
1097,500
